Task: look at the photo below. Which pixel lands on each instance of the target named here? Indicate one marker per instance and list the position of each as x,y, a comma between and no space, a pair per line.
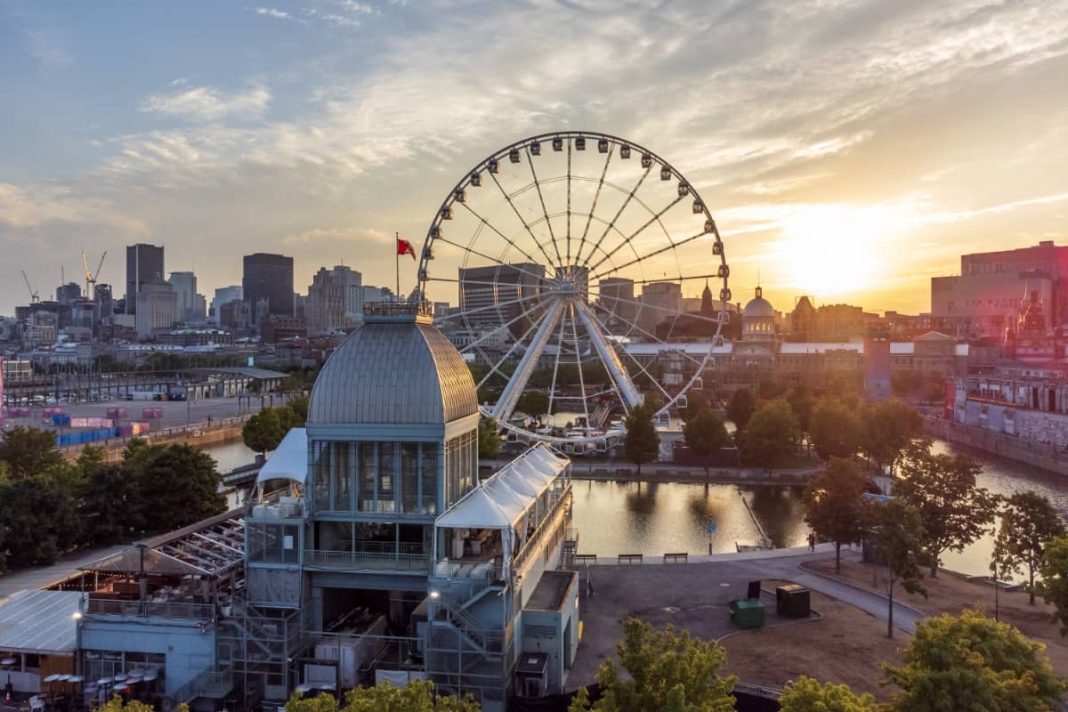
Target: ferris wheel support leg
616,370
506,403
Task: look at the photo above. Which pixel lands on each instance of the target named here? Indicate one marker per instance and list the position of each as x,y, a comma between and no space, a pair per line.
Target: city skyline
901,138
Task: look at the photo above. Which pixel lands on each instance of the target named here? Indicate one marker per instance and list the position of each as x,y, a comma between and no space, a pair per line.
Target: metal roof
395,371
39,622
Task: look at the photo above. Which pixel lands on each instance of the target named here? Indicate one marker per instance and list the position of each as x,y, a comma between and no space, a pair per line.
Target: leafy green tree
533,403
416,696
972,662
30,453
110,506
896,532
802,403
835,429
1054,585
808,695
889,427
705,435
954,510
1029,521
299,406
695,404
740,408
641,444
666,670
489,443
771,435
263,431
177,486
38,522
835,506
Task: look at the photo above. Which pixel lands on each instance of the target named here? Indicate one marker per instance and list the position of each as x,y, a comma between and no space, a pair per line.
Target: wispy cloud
209,104
273,12
46,45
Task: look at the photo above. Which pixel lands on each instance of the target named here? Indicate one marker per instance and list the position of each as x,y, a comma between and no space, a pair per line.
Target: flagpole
396,250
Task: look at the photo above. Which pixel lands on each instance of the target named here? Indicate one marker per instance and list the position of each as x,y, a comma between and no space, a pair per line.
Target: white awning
289,460
503,499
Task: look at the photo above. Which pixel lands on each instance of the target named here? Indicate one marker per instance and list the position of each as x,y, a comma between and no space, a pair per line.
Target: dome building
758,319
396,533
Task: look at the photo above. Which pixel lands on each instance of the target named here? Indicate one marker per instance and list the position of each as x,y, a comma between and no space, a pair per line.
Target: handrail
150,609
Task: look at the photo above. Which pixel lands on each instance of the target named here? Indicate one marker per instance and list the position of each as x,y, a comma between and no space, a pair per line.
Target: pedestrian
811,541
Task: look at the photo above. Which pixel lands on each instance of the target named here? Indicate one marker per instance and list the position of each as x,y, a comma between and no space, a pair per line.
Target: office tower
143,263
268,278
157,308
185,288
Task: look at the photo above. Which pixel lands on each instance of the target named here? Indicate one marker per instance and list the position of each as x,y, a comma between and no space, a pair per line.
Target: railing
491,641
392,559
547,524
150,609
214,683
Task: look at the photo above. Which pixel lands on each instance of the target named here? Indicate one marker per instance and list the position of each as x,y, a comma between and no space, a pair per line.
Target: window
409,477
367,476
341,471
428,478
387,470
321,475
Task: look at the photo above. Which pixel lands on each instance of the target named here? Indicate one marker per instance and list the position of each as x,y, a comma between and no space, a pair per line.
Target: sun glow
831,250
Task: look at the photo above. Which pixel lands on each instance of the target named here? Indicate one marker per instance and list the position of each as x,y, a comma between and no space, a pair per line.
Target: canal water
627,517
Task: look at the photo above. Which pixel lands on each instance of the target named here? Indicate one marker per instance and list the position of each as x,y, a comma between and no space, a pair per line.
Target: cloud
24,209
46,45
273,12
204,104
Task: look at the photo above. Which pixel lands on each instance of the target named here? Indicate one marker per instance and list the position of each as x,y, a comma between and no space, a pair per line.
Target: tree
705,435
971,662
889,427
30,453
808,695
641,444
110,506
533,403
896,532
1028,522
802,403
1054,585
740,408
942,488
694,404
834,504
666,670
771,435
177,486
489,442
416,696
263,431
835,430
299,406
117,704
38,522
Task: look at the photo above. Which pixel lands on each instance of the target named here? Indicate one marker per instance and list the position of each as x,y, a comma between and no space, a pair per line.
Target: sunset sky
848,150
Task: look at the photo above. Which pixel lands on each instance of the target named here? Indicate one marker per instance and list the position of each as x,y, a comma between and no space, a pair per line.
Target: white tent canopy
500,501
289,460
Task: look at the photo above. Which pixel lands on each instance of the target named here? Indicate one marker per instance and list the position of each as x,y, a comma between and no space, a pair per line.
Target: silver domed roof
396,371
758,306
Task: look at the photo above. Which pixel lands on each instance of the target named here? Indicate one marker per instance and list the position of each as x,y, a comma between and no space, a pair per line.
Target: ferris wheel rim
472,178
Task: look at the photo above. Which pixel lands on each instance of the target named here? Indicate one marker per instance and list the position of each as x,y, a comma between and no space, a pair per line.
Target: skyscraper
269,277
185,287
334,301
499,294
144,263
222,296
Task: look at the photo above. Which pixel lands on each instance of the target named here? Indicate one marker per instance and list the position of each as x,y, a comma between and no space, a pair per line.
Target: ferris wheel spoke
612,222
556,364
578,365
627,241
568,202
495,368
493,227
490,334
593,207
638,363
617,372
522,220
499,263
652,336
510,395
544,210
661,251
489,307
653,307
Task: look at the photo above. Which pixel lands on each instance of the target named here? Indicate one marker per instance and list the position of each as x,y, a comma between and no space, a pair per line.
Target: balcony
371,556
180,610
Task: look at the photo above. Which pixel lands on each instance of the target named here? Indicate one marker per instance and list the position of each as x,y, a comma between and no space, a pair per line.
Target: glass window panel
342,477
429,478
409,468
368,475
321,475
386,477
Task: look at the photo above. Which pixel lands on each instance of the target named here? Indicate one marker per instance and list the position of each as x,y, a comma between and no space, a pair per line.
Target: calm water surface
622,518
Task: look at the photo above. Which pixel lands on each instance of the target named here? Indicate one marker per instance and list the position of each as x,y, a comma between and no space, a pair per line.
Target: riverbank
1028,452
201,435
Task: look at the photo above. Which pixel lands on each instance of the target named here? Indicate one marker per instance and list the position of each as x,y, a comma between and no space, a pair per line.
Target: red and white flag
405,248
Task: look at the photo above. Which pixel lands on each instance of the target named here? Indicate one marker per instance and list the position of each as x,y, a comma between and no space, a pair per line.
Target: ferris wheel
577,259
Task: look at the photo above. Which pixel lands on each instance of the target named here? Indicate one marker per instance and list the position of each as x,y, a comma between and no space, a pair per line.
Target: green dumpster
747,613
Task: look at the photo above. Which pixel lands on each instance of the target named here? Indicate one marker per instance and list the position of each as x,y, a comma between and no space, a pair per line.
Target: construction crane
91,277
33,292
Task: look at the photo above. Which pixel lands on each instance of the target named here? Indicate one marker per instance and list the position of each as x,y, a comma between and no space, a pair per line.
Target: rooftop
549,593
39,622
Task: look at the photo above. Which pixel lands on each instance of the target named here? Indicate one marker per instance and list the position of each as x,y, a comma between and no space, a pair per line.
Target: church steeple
706,300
